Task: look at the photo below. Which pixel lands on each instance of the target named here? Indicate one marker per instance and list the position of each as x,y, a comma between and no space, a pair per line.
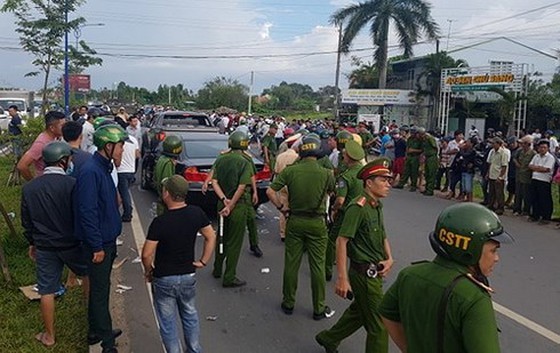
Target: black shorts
51,263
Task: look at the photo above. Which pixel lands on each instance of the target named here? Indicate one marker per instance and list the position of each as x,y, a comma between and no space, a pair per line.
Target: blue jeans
467,182
174,294
125,179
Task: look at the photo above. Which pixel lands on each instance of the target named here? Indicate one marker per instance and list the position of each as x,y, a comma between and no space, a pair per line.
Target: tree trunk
383,66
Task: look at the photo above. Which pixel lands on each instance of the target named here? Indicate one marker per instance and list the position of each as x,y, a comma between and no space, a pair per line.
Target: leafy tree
41,26
82,58
411,19
365,75
222,91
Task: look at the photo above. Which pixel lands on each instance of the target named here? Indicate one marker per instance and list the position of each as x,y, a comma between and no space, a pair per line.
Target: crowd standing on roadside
329,200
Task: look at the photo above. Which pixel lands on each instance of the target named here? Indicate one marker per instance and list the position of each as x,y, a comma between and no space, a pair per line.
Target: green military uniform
363,224
308,184
270,142
411,164
465,323
429,148
164,168
470,325
325,162
366,138
231,170
349,187
252,214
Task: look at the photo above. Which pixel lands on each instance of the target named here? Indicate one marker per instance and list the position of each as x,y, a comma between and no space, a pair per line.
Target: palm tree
410,18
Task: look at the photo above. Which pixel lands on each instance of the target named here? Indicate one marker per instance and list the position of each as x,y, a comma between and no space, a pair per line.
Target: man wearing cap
412,162
171,239
363,240
498,160
348,187
542,166
444,305
289,157
269,146
308,187
523,176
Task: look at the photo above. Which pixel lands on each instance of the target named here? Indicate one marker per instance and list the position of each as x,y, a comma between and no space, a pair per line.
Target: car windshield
186,119
5,103
204,148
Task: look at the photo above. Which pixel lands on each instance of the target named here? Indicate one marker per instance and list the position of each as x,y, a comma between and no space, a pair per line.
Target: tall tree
222,91
41,26
410,18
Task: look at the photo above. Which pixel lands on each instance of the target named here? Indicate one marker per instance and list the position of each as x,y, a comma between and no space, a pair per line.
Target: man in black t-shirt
171,238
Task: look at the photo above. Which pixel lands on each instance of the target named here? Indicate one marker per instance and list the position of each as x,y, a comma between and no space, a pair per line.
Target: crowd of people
329,196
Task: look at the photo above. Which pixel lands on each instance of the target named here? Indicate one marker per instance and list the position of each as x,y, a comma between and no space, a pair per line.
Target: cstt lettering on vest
452,239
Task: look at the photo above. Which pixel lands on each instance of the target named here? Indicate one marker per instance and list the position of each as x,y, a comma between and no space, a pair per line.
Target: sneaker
516,214
326,314
257,252
119,242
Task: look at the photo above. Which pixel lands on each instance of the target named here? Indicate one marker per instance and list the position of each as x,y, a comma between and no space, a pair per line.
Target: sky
193,41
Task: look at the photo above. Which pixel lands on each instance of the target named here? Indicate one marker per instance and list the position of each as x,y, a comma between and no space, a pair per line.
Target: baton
221,236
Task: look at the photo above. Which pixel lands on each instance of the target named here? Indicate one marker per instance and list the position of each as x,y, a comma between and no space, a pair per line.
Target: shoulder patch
361,201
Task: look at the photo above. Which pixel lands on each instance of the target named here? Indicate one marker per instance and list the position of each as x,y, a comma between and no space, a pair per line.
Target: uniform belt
369,270
305,214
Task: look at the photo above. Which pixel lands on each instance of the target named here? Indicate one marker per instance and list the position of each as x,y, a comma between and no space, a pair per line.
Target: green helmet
302,131
341,138
310,146
238,141
461,231
172,146
55,151
97,122
109,134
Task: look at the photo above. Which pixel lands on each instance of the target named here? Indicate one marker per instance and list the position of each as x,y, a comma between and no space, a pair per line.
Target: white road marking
139,237
531,325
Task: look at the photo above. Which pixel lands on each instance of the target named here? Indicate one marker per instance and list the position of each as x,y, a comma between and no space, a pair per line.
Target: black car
173,121
200,150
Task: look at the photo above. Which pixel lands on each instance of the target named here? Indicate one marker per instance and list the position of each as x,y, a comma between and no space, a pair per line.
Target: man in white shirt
498,160
87,133
126,172
542,166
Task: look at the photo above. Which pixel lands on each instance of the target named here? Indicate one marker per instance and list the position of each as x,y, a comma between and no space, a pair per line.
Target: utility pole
66,82
250,92
169,96
337,74
448,34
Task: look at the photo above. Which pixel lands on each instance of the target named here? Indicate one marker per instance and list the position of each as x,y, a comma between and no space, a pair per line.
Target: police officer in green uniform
454,311
431,165
308,187
341,138
232,176
348,187
367,137
412,162
165,165
363,240
269,146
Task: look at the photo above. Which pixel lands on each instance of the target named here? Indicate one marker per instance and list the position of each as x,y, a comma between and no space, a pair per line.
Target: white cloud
265,30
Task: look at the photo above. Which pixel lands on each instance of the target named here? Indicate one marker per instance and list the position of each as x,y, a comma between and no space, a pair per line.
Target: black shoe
283,240
398,187
412,189
328,277
428,193
94,339
217,274
257,252
110,350
236,283
326,314
286,310
328,349
126,219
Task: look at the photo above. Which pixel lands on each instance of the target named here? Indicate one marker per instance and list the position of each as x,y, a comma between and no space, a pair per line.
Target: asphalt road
249,319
